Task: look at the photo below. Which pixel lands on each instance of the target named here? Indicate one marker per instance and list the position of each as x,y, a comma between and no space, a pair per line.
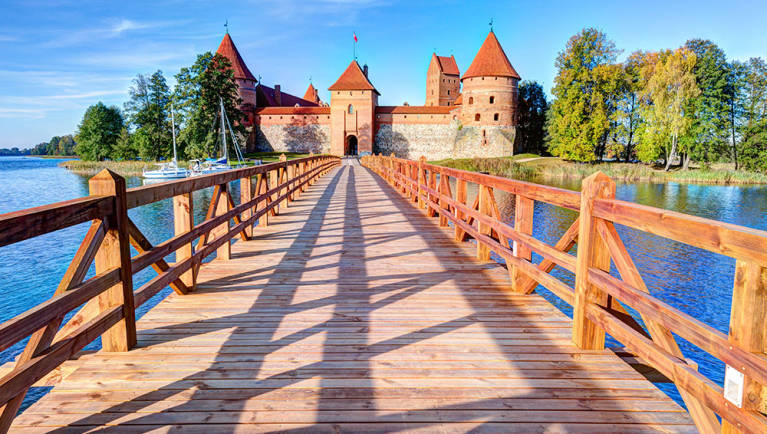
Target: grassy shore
532,167
134,168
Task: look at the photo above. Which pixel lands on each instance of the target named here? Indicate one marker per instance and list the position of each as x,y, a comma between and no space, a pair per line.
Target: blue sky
60,56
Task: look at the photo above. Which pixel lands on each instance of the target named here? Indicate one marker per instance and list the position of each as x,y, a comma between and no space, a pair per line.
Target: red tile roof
353,79
413,109
311,94
491,61
266,98
448,65
228,50
459,100
292,111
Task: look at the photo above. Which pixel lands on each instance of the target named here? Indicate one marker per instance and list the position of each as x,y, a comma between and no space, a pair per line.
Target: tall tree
147,110
669,88
579,123
197,102
627,114
531,109
708,113
98,132
754,149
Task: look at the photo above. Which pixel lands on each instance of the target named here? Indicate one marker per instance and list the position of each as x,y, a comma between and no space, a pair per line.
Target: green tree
67,145
125,148
584,92
98,132
669,87
53,146
531,109
627,115
197,103
754,152
708,113
148,110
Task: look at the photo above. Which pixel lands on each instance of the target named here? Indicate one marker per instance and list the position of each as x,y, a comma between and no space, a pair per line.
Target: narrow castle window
351,109
492,100
476,117
448,91
495,117
471,100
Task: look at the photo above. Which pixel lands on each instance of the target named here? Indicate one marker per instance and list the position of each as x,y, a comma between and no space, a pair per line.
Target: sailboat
198,167
169,170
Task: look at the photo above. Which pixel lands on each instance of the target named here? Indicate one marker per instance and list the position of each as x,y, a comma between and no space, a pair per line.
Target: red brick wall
488,97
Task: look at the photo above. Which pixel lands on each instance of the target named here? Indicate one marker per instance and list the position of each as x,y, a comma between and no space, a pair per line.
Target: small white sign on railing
733,386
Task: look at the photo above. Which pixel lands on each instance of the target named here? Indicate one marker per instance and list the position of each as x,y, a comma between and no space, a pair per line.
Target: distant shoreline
532,167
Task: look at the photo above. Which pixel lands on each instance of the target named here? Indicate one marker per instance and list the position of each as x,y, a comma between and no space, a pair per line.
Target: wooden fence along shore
598,298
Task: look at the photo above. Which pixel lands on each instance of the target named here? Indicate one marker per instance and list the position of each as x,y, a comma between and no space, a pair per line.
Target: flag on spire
355,36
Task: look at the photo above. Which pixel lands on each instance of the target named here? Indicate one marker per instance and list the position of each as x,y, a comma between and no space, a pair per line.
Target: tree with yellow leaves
669,85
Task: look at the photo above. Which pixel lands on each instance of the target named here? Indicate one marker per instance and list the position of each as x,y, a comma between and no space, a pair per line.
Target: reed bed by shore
532,167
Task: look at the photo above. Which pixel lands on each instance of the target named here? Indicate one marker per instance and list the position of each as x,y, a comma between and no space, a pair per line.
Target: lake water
696,281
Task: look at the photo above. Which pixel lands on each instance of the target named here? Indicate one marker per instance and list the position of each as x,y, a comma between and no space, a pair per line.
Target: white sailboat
198,167
169,170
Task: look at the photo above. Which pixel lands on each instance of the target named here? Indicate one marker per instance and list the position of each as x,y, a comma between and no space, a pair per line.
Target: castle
463,117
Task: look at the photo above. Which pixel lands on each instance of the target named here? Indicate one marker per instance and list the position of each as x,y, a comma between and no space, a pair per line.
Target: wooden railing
597,297
108,299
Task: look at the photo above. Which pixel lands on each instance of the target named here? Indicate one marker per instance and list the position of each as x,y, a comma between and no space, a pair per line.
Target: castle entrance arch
351,145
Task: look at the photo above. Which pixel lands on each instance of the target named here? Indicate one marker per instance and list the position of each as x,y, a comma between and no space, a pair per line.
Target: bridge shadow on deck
567,391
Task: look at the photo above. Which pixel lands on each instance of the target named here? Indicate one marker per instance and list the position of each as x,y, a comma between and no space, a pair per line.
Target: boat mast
223,130
173,129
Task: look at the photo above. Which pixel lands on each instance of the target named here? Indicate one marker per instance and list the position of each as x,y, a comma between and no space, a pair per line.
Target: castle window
476,117
351,93
492,100
351,109
471,100
495,117
448,91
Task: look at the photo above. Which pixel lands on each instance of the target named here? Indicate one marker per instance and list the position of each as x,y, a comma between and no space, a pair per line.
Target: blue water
696,281
31,270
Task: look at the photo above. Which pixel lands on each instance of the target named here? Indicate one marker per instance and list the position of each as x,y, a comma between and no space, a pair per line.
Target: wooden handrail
28,223
109,298
598,296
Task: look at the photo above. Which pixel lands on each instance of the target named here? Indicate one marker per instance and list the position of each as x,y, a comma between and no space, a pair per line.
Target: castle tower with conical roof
353,101
490,87
246,82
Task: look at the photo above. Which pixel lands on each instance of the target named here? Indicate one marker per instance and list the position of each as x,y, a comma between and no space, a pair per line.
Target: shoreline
532,167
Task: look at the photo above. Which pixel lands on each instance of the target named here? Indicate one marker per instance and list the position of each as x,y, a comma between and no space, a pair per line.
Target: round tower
489,96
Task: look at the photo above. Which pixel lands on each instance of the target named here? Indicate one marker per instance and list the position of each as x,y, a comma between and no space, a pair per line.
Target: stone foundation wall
293,138
441,141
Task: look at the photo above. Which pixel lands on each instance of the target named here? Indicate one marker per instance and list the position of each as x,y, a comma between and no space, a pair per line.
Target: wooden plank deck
354,312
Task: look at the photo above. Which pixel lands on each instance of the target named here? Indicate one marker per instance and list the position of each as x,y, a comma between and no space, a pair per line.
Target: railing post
262,186
460,197
483,251
523,223
115,252
246,195
592,253
748,329
183,222
273,183
392,178
224,252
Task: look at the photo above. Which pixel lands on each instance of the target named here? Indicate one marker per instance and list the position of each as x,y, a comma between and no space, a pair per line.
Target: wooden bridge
357,305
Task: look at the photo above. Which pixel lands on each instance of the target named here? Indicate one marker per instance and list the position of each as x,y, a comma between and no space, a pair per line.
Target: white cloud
22,113
125,25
